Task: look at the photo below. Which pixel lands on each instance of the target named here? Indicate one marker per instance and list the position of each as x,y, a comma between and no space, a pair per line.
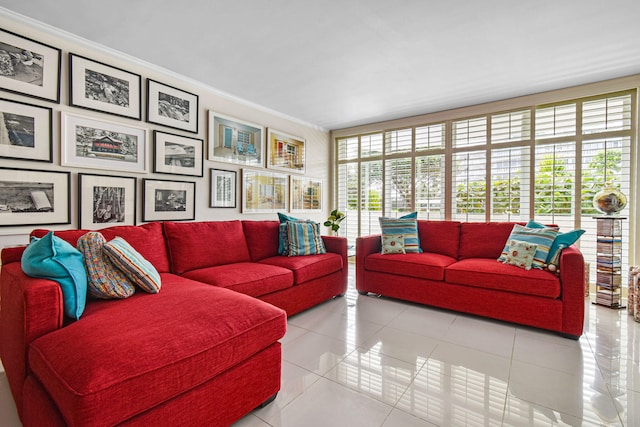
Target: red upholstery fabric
147,239
482,273
483,239
262,238
190,332
194,245
249,278
425,265
440,237
307,267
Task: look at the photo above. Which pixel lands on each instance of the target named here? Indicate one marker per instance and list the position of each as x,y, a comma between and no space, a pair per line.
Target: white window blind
347,148
469,186
430,137
609,114
429,191
371,145
398,141
554,186
556,121
510,184
470,132
370,196
398,192
513,126
348,199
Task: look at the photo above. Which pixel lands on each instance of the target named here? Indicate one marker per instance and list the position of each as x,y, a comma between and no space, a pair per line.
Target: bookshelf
609,261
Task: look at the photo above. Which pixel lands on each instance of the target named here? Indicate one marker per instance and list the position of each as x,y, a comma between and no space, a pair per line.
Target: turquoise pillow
304,238
283,238
52,258
562,240
406,226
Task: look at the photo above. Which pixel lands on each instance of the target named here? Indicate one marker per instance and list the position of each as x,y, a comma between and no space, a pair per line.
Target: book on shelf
611,227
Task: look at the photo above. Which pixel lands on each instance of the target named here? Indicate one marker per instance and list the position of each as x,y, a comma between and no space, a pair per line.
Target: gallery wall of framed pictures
88,140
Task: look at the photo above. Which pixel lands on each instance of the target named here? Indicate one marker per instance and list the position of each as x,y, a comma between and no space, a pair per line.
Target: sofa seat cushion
421,265
491,274
249,278
170,342
307,267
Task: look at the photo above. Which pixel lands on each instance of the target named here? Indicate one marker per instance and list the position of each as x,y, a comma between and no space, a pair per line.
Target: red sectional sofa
458,270
202,351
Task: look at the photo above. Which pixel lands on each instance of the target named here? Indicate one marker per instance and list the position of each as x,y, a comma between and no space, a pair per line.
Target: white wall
317,139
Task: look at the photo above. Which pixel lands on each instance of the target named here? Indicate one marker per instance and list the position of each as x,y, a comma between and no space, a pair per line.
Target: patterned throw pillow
542,237
104,279
406,226
133,265
521,254
304,238
393,244
283,237
562,240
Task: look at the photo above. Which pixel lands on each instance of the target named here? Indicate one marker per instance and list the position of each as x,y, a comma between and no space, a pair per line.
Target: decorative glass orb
609,200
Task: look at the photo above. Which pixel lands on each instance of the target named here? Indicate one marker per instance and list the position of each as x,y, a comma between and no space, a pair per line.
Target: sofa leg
571,337
363,292
269,400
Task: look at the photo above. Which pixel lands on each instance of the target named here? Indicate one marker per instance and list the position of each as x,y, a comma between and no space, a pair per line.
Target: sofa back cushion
147,239
194,245
440,237
483,239
262,238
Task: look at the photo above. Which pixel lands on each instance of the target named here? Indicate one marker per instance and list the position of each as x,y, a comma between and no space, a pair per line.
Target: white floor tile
327,403
399,418
407,346
559,354
424,321
480,334
315,352
452,359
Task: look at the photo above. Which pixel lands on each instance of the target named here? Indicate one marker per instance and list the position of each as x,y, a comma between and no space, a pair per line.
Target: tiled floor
367,361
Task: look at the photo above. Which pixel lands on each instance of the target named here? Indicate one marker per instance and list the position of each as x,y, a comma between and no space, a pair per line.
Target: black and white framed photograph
306,194
101,87
25,131
30,197
264,191
178,155
171,107
100,144
29,67
285,152
168,200
236,141
105,201
223,184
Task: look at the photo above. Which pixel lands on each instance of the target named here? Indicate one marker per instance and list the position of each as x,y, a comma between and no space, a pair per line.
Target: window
543,162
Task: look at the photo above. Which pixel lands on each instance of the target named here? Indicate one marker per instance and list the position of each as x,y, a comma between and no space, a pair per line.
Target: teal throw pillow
406,226
133,265
304,238
283,238
542,237
562,240
52,258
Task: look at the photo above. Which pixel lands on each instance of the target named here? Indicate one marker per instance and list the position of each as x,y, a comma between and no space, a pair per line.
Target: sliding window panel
556,121
429,191
398,191
348,200
555,180
370,197
469,186
510,184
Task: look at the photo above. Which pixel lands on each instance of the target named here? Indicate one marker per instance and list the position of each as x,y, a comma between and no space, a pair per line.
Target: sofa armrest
365,245
29,308
572,279
338,245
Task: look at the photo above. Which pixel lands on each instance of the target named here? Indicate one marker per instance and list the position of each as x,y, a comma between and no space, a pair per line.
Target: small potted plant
334,220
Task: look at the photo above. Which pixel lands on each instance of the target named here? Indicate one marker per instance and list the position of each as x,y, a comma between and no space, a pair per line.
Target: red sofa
458,270
202,351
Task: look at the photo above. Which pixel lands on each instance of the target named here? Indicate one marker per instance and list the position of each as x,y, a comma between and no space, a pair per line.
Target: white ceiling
340,63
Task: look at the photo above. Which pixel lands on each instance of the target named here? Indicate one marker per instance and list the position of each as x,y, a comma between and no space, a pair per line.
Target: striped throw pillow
304,238
133,265
542,237
104,279
407,227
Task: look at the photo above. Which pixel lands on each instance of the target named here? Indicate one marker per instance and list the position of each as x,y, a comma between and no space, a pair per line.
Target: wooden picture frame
235,141
177,155
29,67
164,200
106,201
223,186
305,193
264,191
171,107
32,197
100,144
96,86
285,152
28,134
